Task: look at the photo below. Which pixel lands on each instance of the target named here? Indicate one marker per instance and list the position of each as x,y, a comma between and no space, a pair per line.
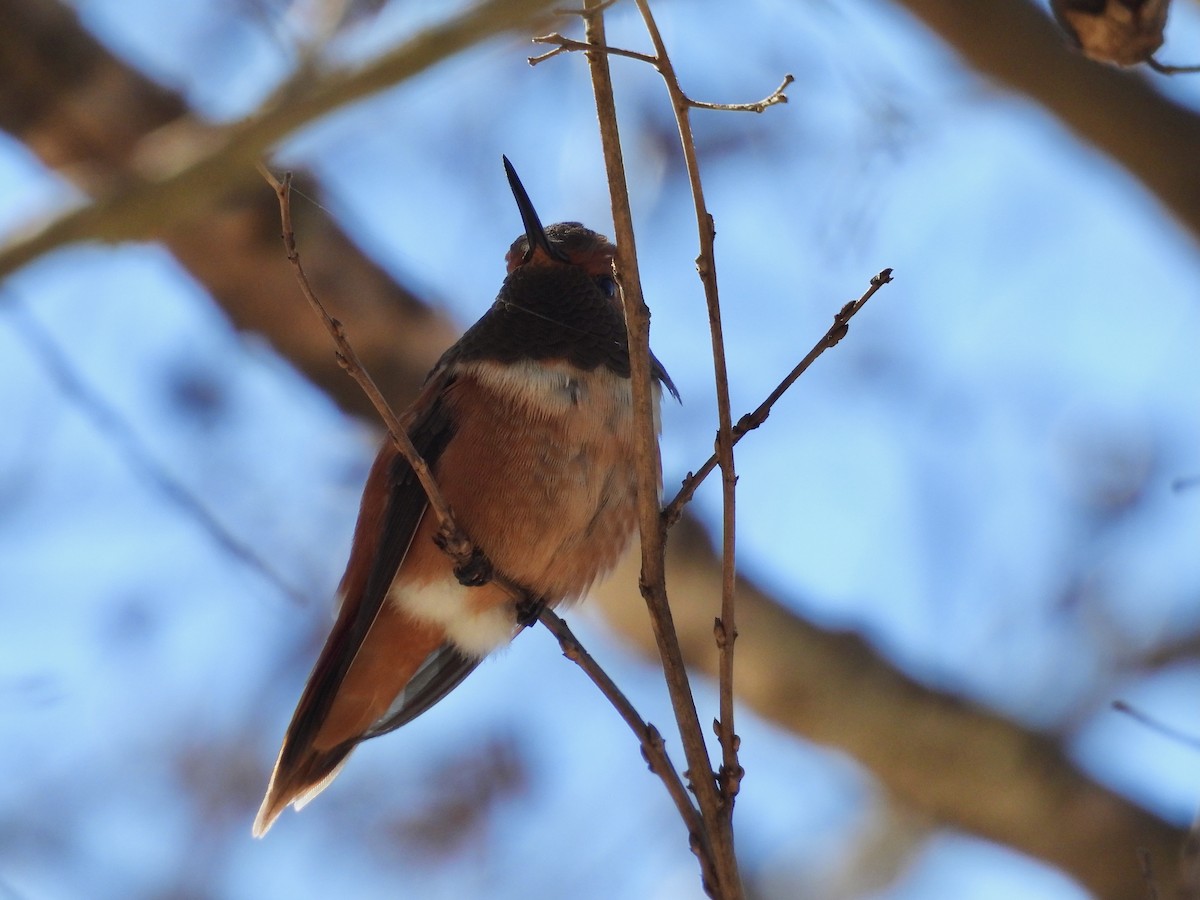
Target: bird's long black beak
535,234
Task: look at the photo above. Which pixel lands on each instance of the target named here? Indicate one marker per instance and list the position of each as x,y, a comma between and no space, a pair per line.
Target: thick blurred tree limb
156,172
956,762
1116,111
96,121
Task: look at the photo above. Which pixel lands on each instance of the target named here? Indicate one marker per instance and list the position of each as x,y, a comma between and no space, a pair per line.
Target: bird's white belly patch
447,603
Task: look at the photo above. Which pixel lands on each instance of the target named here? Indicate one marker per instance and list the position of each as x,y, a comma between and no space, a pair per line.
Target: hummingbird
527,425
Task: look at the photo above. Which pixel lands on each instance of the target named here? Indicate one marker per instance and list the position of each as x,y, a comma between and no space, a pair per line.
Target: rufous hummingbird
526,423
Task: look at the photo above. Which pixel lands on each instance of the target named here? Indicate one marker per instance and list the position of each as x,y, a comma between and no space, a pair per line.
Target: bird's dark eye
608,285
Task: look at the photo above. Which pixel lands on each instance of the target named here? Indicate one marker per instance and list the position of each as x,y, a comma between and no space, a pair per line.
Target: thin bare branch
725,628
1165,69
752,420
1153,724
775,97
564,44
451,539
653,748
718,870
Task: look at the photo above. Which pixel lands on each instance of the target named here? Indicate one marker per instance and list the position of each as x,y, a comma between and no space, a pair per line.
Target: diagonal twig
451,539
653,748
751,420
1167,731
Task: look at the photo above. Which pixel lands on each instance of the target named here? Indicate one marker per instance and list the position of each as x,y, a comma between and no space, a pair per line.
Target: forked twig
751,420
566,45
717,810
563,44
725,629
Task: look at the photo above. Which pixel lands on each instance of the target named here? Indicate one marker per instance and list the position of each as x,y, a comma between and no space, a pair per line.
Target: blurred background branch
1117,111
96,121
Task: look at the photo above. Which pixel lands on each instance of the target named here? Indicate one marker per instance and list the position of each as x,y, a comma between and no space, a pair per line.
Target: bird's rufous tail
339,707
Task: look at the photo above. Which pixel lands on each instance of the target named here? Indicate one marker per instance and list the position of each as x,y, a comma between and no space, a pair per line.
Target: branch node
721,635
731,780
582,13
748,422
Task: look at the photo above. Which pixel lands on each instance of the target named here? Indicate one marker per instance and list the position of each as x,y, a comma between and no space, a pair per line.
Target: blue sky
932,482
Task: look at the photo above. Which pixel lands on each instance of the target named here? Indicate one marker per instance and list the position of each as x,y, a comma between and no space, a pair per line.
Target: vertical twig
725,627
717,863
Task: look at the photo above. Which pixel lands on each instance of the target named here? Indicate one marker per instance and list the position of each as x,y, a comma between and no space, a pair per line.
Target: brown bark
157,172
1116,111
956,762
969,768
